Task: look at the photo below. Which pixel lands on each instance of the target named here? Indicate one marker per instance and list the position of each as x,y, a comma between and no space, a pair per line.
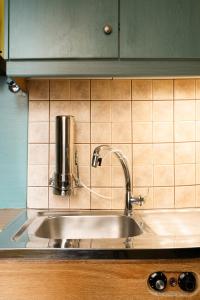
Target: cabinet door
62,29
160,29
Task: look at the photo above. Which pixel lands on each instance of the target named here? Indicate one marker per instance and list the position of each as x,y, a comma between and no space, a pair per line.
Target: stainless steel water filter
63,180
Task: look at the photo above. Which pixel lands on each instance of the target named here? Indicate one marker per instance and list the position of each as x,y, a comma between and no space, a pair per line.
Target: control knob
158,281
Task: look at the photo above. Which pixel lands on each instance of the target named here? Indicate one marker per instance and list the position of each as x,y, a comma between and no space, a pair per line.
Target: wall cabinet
160,29
45,29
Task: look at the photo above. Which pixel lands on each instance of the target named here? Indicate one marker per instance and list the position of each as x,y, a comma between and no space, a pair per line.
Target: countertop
167,234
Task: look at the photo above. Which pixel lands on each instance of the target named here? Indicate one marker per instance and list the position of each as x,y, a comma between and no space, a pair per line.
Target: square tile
38,111
101,133
38,132
80,199
143,176
141,111
163,154
184,131
198,110
126,150
142,154
38,175
185,174
162,132
98,202
84,175
118,179
185,153
197,152
59,108
163,111
80,110
58,202
59,89
120,89
198,131
163,197
142,89
197,195
38,89
101,176
80,89
184,110
142,132
184,89
198,89
147,194
37,197
118,198
184,196
38,154
100,111
100,89
163,175
121,111
82,133
197,173
83,151
121,132
163,89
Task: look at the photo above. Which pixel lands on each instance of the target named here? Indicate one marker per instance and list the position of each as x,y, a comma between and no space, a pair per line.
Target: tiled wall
156,123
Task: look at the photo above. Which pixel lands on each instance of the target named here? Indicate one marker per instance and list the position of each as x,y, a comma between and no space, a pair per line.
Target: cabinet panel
63,29
160,29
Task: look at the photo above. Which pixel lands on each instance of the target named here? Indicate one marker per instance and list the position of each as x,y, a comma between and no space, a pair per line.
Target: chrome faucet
129,199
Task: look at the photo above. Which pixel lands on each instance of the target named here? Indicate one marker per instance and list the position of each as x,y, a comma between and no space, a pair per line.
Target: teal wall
13,147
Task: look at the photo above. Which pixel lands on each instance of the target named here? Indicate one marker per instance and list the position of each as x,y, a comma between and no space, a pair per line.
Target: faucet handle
137,200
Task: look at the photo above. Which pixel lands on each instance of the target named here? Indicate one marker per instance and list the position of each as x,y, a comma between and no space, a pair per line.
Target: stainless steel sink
87,227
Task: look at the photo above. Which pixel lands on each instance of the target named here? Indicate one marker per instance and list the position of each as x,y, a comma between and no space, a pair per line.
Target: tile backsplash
156,124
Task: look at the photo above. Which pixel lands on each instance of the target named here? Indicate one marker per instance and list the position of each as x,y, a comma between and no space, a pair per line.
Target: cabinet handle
107,29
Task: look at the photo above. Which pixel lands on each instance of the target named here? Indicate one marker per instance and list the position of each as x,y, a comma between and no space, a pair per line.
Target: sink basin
88,227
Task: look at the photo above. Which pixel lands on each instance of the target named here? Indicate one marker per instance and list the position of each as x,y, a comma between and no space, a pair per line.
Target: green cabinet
45,29
160,29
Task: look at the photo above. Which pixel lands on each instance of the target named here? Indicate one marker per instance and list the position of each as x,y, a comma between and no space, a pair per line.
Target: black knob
158,281
187,282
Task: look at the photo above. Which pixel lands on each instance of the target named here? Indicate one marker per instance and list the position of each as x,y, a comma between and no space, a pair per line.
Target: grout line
195,144
49,145
90,140
152,141
174,144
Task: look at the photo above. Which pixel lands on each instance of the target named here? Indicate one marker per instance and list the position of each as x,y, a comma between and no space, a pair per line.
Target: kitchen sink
88,227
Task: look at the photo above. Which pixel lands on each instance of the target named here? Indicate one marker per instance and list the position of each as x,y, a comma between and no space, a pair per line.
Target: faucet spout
97,160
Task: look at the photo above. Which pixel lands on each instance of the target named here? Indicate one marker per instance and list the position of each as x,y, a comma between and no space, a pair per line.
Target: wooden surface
63,29
89,280
160,29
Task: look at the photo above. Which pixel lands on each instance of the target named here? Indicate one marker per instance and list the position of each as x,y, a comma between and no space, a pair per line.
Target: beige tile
197,152
198,131
120,89
52,154
80,200
101,176
121,132
163,111
142,154
184,131
59,89
98,202
147,194
118,198
198,195
197,173
142,89
198,110
38,89
184,196
162,132
163,197
38,111
101,133
126,149
184,153
84,174
82,133
37,197
143,176
121,111
38,132
80,89
118,179
83,151
163,89
184,110
163,175
38,175
198,89
163,154
142,111
184,89
52,132
100,89
142,132
58,202
58,108
38,154
105,154
100,111
81,111
185,174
